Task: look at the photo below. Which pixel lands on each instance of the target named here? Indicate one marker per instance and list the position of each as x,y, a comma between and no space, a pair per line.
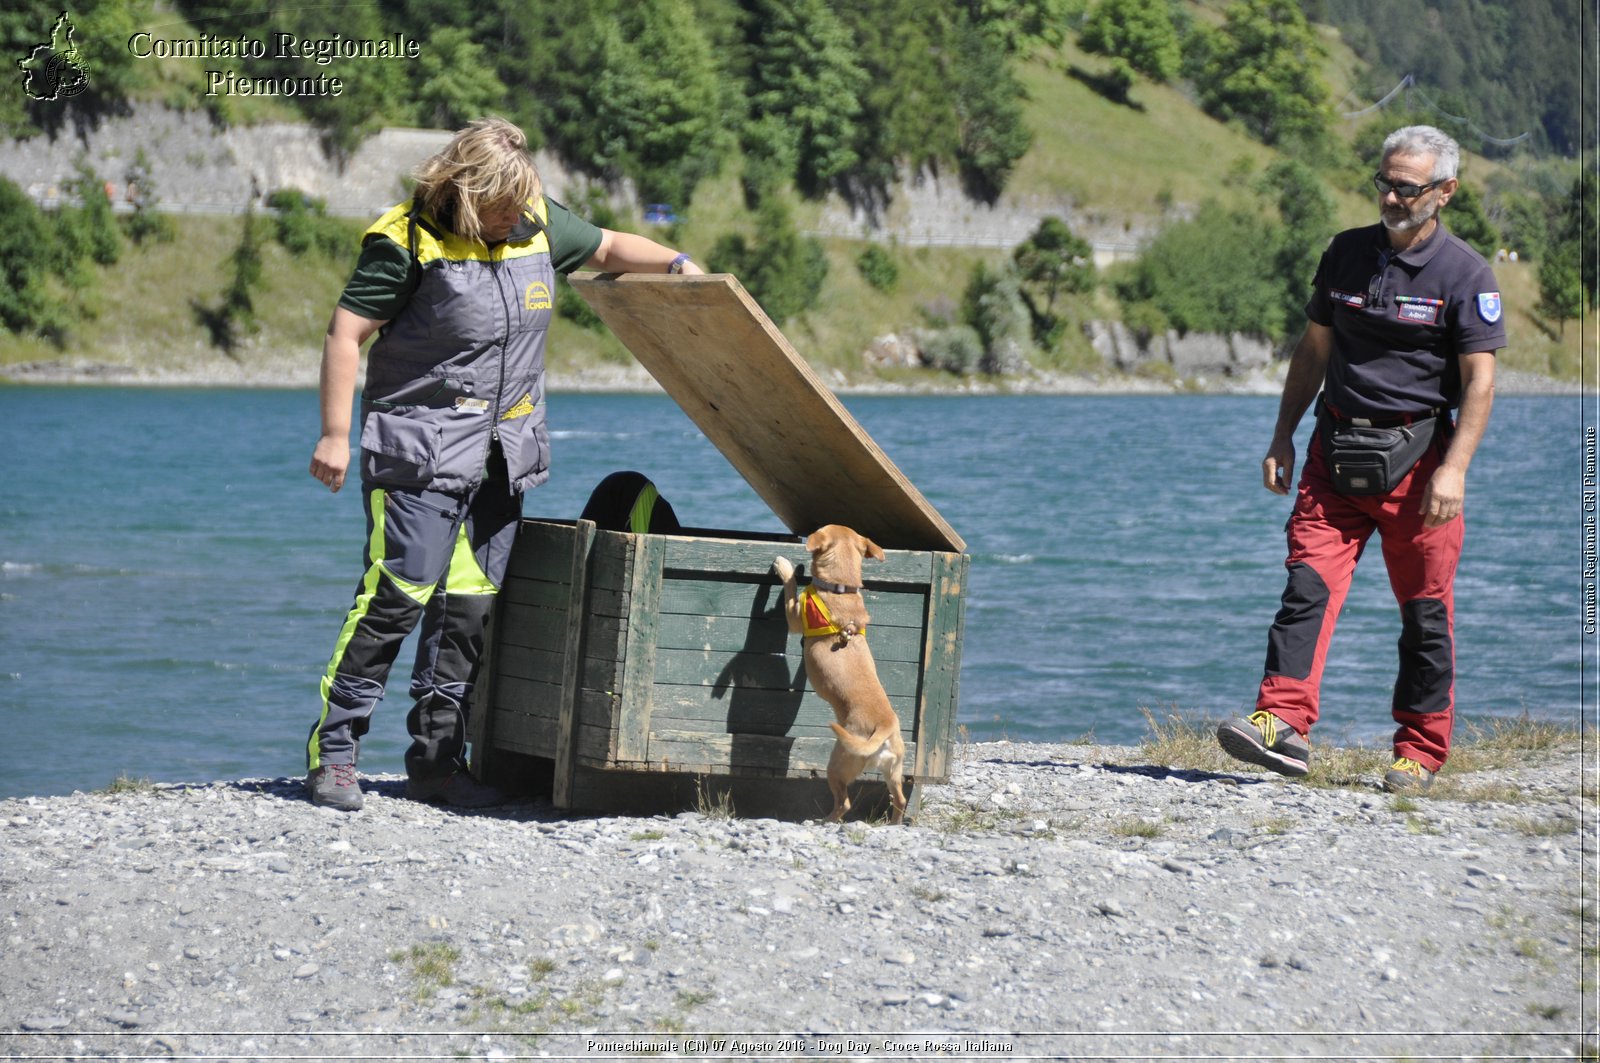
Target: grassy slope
1117,165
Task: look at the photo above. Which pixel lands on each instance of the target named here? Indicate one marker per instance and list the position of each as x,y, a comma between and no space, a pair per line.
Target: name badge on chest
1419,311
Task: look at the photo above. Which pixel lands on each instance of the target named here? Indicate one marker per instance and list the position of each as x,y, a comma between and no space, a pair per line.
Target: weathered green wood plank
535,629
596,673
733,634
639,663
611,566
899,678
791,757
814,724
942,655
698,594
748,559
565,761
521,733
532,593
534,697
756,711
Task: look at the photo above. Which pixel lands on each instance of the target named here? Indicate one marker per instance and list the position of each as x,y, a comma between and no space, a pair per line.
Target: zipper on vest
495,266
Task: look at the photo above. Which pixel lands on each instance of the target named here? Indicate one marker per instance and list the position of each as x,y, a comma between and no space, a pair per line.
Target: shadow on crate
763,698
668,793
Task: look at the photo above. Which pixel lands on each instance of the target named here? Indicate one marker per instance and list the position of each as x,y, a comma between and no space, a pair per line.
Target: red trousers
1327,533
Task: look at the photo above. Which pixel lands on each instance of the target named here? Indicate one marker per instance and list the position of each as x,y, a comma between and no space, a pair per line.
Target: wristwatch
677,263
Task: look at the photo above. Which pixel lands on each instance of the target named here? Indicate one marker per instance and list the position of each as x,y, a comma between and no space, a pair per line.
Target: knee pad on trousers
1292,642
1427,658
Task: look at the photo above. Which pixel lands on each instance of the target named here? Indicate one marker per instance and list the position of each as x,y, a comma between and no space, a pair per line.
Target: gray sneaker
458,788
1267,741
335,786
1408,777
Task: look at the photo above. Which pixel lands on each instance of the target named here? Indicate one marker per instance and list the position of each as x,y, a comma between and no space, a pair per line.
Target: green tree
1140,32
1214,273
993,134
908,118
89,229
660,101
1465,217
1561,293
805,73
1020,26
456,80
1582,223
98,46
1309,219
26,307
1054,260
244,274
877,268
782,270
993,306
1260,69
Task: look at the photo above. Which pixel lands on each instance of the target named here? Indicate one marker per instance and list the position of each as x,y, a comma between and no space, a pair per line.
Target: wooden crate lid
712,348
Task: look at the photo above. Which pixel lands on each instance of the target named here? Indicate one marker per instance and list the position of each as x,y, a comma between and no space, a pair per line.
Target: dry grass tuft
1189,743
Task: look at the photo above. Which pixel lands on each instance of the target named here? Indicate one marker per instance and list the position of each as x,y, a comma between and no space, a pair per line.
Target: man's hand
1442,498
330,460
1277,468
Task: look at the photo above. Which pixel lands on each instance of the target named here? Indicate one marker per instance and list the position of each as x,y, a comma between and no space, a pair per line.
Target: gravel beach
1073,901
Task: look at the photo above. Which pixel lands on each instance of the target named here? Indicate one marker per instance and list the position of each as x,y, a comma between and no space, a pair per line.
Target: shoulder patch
1489,306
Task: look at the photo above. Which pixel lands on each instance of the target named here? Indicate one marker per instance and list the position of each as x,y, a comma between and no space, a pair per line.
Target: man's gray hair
1426,140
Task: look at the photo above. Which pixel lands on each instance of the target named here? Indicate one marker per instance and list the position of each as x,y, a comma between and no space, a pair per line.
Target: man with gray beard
1403,325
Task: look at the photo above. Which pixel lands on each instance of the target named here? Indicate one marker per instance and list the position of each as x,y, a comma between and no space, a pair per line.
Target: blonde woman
459,285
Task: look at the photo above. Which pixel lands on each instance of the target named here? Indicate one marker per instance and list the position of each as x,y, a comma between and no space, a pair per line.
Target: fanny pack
1363,460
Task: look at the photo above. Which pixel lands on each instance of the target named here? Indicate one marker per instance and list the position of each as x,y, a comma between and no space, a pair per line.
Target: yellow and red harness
815,616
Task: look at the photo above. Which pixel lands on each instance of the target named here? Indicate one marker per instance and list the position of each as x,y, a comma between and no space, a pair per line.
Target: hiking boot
335,786
1408,777
1267,741
458,789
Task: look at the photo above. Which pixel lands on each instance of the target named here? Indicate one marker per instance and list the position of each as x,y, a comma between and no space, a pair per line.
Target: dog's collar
834,588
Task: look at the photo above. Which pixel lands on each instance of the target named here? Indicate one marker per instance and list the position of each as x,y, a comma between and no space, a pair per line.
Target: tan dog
832,617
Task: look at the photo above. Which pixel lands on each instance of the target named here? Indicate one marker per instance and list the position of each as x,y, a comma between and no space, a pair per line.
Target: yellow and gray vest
463,363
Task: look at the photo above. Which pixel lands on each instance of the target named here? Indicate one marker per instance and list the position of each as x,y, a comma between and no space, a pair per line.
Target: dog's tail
865,747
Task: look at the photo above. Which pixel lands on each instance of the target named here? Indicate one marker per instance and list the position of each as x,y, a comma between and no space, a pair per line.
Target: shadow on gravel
1149,771
521,810
1161,772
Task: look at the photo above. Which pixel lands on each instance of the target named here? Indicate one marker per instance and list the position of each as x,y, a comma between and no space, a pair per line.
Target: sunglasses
1406,191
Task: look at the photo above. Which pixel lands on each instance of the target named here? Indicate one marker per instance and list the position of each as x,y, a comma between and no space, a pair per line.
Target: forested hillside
1240,133
1504,72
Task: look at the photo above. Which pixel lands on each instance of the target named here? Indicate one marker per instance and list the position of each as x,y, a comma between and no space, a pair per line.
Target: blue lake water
171,579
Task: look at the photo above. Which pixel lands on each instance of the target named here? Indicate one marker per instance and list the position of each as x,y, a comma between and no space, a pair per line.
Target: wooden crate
655,671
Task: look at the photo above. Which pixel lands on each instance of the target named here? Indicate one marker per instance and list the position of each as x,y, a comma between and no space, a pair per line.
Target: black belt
1399,420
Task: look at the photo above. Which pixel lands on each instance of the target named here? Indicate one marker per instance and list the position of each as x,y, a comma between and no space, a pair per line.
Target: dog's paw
783,567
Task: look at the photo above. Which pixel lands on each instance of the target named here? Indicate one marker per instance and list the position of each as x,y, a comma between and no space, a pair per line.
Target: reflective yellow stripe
643,507
358,611
466,575
453,248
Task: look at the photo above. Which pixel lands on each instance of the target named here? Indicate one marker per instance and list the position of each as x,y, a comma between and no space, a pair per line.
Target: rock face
202,168
1196,355
1050,900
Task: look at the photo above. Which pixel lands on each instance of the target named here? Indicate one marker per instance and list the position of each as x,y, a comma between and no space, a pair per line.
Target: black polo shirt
1400,321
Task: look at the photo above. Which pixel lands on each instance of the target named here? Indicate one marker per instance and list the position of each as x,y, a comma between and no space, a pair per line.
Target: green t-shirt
381,283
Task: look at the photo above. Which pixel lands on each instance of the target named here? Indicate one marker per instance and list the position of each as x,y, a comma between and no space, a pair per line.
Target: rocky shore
1050,900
